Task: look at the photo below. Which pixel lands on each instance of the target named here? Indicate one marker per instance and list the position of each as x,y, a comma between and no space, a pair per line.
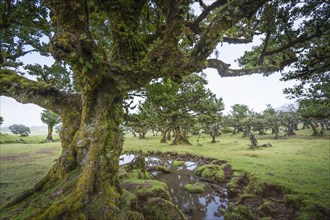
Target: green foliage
50,118
57,75
170,103
23,24
20,129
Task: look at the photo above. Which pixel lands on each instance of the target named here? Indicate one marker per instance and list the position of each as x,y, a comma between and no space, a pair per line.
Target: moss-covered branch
207,10
24,91
224,70
226,17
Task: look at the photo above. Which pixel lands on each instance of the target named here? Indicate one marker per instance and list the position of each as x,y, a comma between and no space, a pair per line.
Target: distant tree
209,114
20,129
289,119
272,120
259,123
138,124
315,112
50,119
179,102
239,115
1,120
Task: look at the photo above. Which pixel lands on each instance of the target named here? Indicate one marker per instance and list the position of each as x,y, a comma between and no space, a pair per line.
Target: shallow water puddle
197,206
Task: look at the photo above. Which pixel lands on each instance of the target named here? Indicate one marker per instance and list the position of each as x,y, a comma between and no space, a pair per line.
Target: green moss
145,189
211,171
160,209
246,196
125,172
266,209
239,212
177,163
195,188
130,215
254,186
122,173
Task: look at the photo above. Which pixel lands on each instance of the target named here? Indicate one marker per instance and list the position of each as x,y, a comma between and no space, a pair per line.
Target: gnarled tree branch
211,35
231,40
25,91
224,71
207,10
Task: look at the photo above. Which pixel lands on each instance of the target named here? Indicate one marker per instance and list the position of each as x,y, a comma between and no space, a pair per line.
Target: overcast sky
256,91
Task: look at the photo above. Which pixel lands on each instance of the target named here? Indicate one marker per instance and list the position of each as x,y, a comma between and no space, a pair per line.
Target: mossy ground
177,163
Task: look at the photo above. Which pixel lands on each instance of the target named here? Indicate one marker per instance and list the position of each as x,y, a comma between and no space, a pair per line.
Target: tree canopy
20,129
104,49
50,119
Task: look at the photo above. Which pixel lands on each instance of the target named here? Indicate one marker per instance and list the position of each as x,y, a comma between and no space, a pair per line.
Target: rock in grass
177,163
195,188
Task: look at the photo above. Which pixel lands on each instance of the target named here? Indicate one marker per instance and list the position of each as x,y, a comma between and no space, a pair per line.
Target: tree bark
253,140
164,134
179,137
315,131
213,139
88,165
97,146
168,135
276,132
50,132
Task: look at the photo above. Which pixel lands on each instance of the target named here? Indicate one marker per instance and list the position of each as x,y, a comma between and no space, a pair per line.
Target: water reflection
199,206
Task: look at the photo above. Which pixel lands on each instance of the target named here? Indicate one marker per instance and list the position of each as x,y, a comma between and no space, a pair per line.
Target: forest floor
300,163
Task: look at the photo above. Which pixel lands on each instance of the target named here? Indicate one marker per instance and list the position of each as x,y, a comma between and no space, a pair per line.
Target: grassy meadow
301,163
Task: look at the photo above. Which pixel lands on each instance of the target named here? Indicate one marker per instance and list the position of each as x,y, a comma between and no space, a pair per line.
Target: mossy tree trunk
168,135
314,128
96,147
165,134
92,143
253,140
276,132
179,138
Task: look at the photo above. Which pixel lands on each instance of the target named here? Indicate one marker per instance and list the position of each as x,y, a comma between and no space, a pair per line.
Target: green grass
300,163
22,165
31,139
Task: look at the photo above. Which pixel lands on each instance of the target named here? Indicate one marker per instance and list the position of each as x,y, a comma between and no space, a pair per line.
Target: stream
196,205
